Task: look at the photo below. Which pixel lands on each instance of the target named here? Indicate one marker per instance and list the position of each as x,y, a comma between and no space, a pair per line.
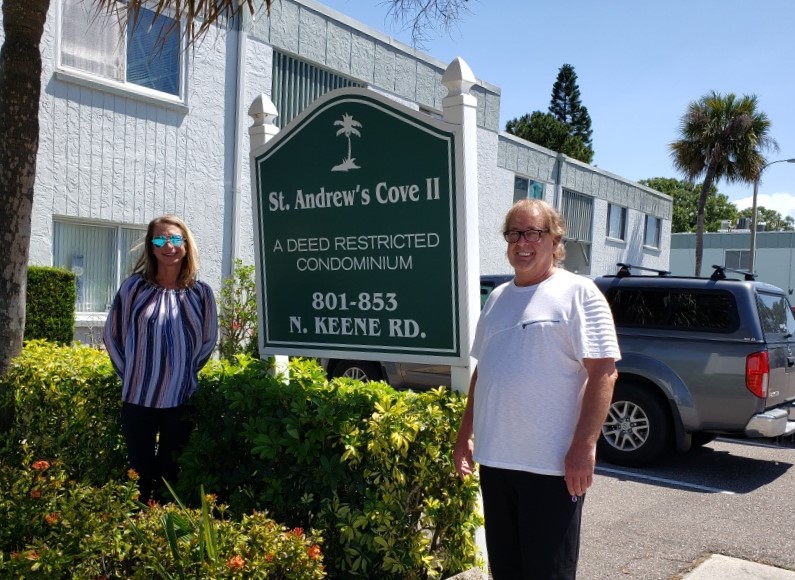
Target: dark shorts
532,525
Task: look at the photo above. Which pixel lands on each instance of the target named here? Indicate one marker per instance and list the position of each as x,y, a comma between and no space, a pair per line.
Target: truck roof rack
625,270
720,273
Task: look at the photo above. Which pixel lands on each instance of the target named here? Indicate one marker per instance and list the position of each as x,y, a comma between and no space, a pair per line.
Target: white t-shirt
529,344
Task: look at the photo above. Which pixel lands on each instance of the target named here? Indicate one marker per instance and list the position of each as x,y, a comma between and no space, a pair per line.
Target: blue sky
638,65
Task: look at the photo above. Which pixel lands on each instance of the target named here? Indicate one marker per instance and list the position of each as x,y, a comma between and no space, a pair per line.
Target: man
546,349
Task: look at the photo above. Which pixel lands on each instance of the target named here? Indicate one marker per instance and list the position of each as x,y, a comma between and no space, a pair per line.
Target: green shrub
57,527
370,466
54,527
65,403
237,314
50,304
206,543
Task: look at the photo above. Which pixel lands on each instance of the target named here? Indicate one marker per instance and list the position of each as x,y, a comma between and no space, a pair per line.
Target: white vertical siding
112,156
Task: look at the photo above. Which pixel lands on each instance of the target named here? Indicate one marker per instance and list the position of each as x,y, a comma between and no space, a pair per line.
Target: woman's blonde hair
146,265
553,221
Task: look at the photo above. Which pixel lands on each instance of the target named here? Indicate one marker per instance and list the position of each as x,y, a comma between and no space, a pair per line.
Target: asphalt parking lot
731,497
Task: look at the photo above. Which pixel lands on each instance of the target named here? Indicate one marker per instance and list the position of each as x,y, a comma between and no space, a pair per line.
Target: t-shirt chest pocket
539,323
533,329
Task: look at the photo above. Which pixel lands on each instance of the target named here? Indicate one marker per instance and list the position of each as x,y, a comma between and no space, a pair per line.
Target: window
577,211
524,188
775,315
616,221
737,259
146,54
296,84
101,256
674,309
651,234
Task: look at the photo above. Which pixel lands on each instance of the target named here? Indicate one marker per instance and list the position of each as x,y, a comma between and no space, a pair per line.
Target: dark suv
402,375
700,357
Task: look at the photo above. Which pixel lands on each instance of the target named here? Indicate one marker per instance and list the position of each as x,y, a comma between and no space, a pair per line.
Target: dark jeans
532,525
153,438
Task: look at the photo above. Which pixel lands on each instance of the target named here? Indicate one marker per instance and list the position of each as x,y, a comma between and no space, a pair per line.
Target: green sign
355,204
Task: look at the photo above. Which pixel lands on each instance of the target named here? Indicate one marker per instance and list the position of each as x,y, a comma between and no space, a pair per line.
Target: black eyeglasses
175,239
531,235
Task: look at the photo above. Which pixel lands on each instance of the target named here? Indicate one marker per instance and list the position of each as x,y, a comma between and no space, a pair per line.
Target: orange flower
35,494
210,498
298,532
32,555
235,563
51,518
133,475
269,557
314,551
40,465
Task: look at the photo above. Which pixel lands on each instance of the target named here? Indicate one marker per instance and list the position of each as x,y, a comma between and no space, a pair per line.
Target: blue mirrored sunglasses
160,241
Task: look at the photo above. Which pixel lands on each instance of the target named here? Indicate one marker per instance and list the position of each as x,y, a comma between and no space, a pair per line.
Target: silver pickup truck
700,357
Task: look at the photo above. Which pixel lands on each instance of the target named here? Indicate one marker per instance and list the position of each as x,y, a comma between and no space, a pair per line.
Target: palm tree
348,127
20,91
721,137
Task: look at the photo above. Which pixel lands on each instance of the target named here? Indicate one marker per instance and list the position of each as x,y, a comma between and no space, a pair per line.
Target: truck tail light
757,373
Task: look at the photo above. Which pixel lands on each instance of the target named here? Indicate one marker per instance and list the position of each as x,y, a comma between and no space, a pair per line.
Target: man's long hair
553,221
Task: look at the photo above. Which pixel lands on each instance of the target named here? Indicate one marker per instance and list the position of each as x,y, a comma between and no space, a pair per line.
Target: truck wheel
637,430
357,369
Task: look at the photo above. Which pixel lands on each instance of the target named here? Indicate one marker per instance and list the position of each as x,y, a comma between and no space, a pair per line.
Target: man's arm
581,457
462,453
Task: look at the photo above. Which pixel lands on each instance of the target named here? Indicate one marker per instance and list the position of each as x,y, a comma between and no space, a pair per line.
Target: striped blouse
159,339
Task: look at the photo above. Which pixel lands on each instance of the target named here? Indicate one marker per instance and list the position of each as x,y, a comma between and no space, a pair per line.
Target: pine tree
566,106
547,131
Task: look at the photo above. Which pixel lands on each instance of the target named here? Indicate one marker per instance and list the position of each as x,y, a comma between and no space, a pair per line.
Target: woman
161,330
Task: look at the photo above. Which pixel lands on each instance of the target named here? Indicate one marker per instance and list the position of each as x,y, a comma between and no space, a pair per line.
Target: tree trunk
702,204
20,89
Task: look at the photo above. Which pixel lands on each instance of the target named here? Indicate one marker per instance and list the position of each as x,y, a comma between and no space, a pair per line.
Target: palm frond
726,133
196,16
424,16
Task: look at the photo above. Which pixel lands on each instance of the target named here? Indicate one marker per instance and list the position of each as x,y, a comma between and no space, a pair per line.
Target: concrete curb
726,568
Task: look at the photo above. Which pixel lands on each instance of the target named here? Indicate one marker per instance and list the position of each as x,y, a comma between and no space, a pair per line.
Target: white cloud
783,203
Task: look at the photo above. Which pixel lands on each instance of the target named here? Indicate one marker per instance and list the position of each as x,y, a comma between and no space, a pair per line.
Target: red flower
35,494
235,563
314,551
51,518
269,557
298,532
40,465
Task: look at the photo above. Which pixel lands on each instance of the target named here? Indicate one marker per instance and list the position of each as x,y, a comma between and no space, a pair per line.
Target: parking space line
752,443
677,483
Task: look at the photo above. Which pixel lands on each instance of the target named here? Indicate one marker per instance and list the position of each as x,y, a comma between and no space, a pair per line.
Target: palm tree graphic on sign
348,127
